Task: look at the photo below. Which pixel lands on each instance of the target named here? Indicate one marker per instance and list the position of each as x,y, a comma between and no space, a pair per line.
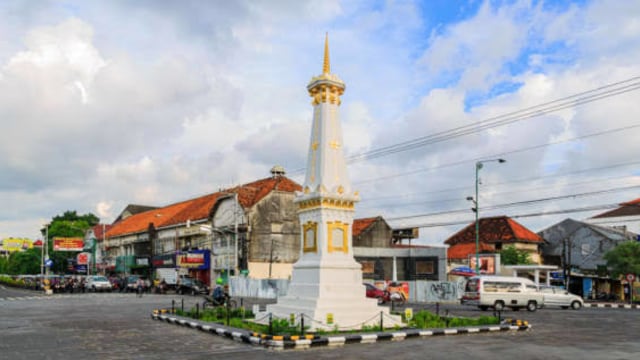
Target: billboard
195,259
15,244
68,244
489,263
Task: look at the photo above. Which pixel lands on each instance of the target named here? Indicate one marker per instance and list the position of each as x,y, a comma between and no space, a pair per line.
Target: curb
294,342
612,306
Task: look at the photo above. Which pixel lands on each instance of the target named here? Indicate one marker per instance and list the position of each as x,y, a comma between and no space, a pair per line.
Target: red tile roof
632,202
97,230
463,250
199,208
500,229
360,225
629,208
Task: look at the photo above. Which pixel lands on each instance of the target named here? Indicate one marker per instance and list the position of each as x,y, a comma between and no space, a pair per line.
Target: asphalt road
118,326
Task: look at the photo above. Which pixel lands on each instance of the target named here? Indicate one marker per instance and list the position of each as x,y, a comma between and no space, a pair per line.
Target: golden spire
326,69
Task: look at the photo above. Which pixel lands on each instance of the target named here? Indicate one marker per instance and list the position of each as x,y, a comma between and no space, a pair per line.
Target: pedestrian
140,286
626,293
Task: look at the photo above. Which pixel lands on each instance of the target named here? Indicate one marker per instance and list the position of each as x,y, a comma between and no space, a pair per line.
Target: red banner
68,244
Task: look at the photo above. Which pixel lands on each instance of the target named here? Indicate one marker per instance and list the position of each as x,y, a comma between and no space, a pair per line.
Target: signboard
630,277
329,319
197,259
15,244
68,244
82,258
408,313
48,263
160,261
487,263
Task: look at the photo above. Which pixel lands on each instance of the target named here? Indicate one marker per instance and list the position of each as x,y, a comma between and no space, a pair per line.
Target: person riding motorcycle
218,294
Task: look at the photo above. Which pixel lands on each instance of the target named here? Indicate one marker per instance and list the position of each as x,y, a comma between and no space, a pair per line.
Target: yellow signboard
329,318
16,244
408,313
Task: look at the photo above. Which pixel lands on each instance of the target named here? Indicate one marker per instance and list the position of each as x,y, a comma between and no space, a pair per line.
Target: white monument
326,284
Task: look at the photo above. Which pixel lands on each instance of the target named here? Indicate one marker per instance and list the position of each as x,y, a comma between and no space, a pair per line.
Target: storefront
197,264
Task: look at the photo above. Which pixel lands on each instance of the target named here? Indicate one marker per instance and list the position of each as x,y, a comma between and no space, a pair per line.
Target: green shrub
421,320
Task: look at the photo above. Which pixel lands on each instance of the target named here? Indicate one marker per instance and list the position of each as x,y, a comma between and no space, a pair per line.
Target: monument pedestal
330,290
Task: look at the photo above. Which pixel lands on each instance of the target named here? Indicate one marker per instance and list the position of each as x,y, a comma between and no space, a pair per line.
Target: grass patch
242,319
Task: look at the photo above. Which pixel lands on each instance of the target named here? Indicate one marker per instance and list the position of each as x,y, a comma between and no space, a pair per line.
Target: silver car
556,296
98,283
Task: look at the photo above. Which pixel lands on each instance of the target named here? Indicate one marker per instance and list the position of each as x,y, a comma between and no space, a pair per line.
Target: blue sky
107,103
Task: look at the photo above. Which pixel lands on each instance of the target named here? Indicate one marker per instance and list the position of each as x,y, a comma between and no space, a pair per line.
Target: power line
498,194
503,154
581,98
527,179
518,203
527,113
543,213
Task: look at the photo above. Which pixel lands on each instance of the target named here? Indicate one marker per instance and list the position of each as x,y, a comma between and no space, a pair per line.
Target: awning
462,271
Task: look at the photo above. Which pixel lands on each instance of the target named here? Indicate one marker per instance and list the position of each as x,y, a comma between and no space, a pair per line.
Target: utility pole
270,258
46,243
235,231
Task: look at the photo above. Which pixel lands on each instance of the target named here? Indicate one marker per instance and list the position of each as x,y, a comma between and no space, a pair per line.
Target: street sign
48,263
630,277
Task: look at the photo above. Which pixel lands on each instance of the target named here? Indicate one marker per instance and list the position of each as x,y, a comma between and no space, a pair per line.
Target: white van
499,292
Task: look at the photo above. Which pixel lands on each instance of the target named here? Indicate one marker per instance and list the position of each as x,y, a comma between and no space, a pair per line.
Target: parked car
556,296
191,286
97,283
500,292
375,293
132,283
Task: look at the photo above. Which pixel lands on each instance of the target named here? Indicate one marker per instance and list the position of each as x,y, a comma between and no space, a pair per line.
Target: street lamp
476,209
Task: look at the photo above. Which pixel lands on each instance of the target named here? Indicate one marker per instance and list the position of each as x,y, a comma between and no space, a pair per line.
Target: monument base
330,296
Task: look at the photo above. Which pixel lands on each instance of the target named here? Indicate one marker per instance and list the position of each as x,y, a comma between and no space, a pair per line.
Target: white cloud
180,100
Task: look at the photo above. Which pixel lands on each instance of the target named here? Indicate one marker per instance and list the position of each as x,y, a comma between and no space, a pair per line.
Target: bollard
446,319
381,321
437,309
302,324
173,306
197,311
182,306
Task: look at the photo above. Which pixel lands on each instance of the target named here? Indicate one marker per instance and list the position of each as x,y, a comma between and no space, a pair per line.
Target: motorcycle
211,302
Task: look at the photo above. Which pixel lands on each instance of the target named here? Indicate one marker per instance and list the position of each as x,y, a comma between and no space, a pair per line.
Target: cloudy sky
109,103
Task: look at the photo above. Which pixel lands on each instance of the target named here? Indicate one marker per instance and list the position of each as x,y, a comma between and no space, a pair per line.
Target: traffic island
276,342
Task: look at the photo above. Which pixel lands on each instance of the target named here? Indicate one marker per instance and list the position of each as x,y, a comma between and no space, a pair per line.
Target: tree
513,256
4,264
69,224
24,262
624,259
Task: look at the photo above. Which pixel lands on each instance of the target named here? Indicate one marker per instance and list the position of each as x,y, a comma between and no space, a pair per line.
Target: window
368,267
424,267
310,231
338,241
585,249
499,286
